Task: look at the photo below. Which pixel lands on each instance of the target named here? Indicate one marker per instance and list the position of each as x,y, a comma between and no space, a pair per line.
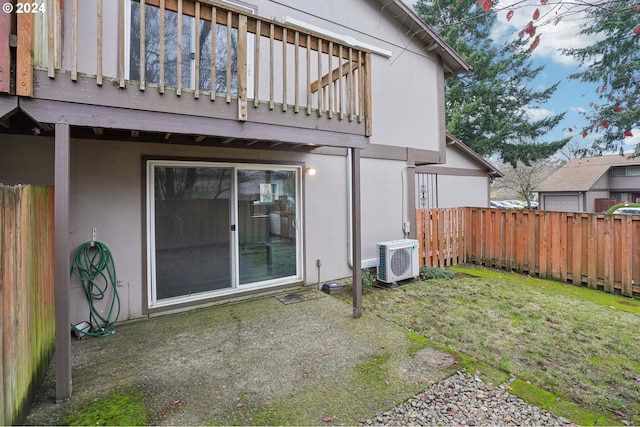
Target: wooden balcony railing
197,48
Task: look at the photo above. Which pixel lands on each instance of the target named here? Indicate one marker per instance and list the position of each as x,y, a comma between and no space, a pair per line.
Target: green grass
579,344
117,409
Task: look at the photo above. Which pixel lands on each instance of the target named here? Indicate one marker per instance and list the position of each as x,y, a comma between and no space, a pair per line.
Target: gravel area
464,399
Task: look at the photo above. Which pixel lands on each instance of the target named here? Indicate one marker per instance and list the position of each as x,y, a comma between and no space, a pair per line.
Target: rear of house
183,132
591,184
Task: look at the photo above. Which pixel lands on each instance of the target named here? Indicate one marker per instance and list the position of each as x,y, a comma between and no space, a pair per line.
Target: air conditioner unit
398,260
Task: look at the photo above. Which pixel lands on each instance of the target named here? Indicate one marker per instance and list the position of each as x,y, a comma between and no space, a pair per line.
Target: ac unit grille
400,262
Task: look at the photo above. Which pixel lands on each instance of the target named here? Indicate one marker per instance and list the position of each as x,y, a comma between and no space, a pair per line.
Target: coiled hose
93,265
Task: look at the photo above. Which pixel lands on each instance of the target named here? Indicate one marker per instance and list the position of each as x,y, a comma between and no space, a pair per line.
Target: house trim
49,111
450,171
388,152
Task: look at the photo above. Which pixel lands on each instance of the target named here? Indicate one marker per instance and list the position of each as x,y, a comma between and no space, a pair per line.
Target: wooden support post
24,60
242,68
308,74
356,232
368,125
62,260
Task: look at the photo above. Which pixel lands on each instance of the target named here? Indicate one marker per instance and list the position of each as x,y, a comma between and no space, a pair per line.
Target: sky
572,96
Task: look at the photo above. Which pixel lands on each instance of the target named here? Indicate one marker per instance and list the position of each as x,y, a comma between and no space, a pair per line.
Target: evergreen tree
613,61
487,107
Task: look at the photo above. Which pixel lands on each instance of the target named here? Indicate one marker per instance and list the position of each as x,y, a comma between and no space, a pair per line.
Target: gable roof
582,174
453,63
491,170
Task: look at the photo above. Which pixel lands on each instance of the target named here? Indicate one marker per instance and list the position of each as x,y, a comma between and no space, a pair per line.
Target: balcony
190,57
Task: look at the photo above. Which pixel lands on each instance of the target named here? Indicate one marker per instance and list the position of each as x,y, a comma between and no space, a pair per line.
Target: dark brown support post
356,232
62,261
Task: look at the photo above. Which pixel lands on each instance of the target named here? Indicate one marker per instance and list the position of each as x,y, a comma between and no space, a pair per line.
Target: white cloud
538,113
578,110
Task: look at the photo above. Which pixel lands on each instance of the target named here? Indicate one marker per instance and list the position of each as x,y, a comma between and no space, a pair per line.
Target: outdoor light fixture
311,171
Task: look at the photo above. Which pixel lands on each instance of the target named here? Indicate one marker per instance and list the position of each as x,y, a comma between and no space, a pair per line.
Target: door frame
149,163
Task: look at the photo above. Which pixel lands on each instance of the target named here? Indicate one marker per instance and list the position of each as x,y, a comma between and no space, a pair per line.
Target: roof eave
453,63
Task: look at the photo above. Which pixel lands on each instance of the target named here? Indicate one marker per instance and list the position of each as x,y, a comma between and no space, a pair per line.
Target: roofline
493,171
453,63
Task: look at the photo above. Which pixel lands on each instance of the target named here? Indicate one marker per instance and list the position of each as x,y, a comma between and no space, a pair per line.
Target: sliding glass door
191,229
219,228
267,213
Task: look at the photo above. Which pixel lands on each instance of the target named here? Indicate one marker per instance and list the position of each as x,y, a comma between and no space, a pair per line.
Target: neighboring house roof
582,174
491,170
453,63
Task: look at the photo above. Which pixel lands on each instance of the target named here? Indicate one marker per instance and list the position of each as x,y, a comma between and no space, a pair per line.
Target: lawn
580,344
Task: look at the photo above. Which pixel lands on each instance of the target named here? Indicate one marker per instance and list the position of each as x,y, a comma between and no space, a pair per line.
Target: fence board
601,251
26,296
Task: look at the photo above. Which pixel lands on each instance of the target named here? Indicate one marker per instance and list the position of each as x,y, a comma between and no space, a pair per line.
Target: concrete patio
300,357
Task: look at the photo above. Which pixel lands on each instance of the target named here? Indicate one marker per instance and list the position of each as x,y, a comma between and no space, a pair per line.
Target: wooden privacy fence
27,312
597,250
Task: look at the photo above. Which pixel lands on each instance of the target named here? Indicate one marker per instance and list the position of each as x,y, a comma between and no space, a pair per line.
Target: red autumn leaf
239,405
536,14
509,15
635,8
325,354
176,402
487,5
584,134
530,29
636,30
535,43
570,130
628,133
605,125
637,379
619,413
617,109
544,1
327,419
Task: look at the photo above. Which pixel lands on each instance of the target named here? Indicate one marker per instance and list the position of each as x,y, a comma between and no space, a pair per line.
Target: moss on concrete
532,394
120,408
575,413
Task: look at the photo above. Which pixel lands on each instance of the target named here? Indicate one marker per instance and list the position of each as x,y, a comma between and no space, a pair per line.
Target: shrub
427,272
623,205
368,278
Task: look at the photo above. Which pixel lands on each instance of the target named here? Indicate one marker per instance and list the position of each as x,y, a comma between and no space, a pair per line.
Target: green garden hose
93,265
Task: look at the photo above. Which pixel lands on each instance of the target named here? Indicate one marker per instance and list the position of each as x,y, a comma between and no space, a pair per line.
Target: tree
521,180
487,107
612,60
